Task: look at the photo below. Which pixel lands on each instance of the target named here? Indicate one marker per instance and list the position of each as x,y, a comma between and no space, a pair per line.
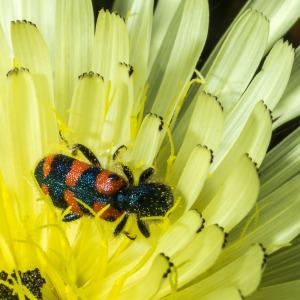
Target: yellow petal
111,45
74,30
88,110
235,197
31,51
238,58
193,175
205,128
244,273
254,140
143,152
23,128
177,57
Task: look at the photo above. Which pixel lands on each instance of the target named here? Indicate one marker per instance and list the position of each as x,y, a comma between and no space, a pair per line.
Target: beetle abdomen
50,174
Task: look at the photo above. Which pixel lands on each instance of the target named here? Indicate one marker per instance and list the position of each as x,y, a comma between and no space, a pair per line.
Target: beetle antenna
64,139
88,154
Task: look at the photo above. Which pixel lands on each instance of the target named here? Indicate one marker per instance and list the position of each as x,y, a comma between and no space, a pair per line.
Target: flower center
31,280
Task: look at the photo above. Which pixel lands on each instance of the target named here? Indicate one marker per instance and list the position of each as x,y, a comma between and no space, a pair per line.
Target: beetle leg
132,238
116,153
128,174
143,227
146,174
72,216
63,139
90,156
121,225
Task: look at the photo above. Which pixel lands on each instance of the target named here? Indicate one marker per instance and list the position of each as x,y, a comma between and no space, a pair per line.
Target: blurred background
222,13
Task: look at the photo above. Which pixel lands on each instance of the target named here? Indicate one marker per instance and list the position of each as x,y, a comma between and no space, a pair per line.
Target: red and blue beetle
66,179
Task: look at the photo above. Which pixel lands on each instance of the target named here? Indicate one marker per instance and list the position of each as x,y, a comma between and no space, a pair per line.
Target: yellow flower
129,83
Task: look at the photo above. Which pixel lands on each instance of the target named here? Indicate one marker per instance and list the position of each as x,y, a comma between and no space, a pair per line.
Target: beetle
66,179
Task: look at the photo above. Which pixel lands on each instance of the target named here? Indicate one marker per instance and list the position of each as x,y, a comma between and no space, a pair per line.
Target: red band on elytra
78,167
47,165
71,200
106,185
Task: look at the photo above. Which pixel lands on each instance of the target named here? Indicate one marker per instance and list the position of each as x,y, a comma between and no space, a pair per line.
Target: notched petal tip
269,110
201,227
209,149
289,45
161,125
253,162
118,15
90,74
113,13
170,265
202,220
225,234
18,22
265,258
16,71
128,66
253,10
215,98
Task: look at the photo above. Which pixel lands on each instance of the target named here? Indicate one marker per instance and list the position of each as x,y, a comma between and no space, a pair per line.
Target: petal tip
16,71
